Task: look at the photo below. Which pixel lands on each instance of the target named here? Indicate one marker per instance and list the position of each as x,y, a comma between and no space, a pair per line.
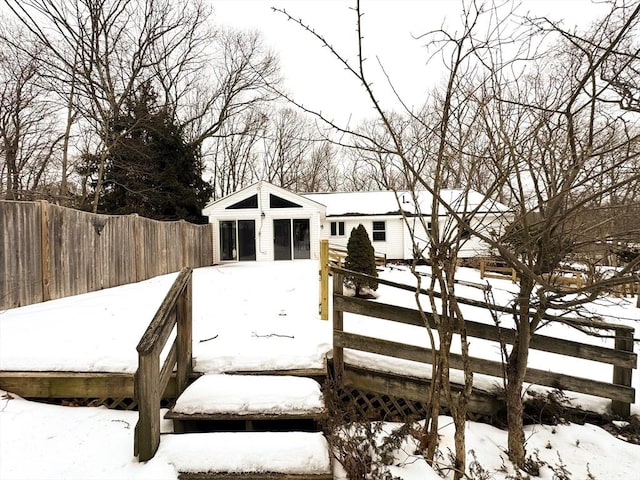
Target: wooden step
247,398
248,455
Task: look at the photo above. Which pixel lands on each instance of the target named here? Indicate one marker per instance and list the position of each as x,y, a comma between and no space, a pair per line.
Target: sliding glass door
237,240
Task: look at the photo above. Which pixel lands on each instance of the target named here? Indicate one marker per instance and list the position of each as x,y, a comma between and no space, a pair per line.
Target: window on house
249,202
279,202
337,229
379,232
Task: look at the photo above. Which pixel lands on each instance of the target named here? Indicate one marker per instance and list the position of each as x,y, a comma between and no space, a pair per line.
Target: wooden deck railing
334,255
151,378
338,254
621,356
491,268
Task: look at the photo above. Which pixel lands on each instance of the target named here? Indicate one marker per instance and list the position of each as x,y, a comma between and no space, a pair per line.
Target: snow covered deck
246,317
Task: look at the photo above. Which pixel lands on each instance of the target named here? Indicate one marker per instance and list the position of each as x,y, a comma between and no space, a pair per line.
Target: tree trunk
516,370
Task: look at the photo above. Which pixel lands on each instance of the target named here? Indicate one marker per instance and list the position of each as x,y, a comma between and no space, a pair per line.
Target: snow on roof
390,203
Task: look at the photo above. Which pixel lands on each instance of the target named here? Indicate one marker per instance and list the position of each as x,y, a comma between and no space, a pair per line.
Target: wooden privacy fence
49,252
621,356
152,377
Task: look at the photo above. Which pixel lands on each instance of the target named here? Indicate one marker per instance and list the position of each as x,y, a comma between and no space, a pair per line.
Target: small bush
360,258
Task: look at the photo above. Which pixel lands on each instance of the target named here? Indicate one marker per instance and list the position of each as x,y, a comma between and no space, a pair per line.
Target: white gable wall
263,217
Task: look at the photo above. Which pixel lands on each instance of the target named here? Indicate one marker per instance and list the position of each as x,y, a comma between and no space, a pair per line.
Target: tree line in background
148,106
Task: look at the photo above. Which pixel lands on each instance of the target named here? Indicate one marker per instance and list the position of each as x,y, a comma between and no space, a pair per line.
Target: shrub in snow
364,446
360,258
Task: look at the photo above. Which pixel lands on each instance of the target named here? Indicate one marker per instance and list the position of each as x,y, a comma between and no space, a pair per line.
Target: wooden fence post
147,393
183,240
338,326
184,337
324,279
622,375
138,246
44,250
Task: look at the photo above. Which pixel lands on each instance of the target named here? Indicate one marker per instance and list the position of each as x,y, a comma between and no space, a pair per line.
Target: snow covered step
244,455
248,397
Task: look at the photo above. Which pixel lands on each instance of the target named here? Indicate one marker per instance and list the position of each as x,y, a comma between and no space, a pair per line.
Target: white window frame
379,231
338,228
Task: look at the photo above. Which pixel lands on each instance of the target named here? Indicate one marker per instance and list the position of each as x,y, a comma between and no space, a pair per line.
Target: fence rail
621,356
48,251
331,255
152,377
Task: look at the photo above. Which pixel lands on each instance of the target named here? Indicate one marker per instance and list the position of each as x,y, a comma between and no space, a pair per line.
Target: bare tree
389,146
29,137
319,172
234,156
287,145
553,135
98,54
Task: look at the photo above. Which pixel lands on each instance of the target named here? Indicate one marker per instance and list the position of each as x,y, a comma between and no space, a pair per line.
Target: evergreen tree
151,169
360,258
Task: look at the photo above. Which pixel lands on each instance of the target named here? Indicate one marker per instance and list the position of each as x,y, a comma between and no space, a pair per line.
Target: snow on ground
49,442
248,316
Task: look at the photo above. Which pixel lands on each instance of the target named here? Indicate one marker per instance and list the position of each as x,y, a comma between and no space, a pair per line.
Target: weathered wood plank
498,308
171,415
67,385
74,385
147,394
44,251
159,329
485,367
252,476
184,340
543,343
167,368
338,324
412,388
622,376
20,254
49,251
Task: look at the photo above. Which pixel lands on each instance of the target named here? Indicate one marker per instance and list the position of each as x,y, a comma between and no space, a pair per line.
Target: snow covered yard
247,316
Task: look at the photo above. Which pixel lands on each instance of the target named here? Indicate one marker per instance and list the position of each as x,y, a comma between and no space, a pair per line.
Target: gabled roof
391,203
255,188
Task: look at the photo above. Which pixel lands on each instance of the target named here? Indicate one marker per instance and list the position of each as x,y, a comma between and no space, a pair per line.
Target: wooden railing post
324,279
338,326
151,379
184,337
622,375
147,393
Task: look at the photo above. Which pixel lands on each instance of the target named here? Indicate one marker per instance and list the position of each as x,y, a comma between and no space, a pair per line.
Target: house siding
392,247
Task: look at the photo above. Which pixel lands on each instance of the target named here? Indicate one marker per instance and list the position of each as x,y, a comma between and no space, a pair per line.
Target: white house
395,221
265,222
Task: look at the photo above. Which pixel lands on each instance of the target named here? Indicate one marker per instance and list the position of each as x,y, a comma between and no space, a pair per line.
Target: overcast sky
320,82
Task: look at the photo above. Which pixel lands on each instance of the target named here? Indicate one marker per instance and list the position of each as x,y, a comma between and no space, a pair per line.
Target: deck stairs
248,427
